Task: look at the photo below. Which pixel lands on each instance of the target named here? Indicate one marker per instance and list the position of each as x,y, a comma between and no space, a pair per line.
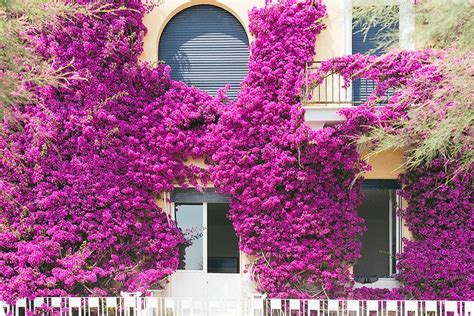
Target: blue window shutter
206,47
364,44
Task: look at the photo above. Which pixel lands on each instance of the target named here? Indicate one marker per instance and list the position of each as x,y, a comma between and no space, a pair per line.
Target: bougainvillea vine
293,192
440,214
436,263
79,177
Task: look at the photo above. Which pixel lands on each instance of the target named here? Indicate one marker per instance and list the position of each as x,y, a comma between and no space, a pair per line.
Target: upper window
206,47
366,43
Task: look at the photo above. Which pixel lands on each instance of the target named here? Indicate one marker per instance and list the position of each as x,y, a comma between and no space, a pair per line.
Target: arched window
206,47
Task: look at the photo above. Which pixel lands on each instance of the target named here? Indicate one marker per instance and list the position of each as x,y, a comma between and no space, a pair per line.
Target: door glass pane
395,229
375,259
222,242
189,218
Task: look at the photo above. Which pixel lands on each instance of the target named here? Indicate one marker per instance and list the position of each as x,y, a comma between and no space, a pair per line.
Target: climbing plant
438,177
81,170
81,173
294,193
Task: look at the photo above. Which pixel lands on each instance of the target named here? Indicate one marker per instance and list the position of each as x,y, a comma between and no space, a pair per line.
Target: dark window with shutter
365,44
382,239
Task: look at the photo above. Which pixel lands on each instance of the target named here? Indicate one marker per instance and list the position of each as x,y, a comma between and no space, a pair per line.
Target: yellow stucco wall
330,43
385,165
332,40
156,20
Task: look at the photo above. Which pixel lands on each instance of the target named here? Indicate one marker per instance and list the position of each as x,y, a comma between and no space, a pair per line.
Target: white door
210,261
190,279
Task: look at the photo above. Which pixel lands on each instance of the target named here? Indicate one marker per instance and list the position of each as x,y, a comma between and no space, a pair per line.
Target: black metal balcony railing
331,91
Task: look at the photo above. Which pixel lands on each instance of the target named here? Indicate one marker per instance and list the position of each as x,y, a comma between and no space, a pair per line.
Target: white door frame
204,234
202,277
204,237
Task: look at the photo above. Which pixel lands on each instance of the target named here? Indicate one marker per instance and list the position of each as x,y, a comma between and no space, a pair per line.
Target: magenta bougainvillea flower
81,174
293,192
440,214
80,177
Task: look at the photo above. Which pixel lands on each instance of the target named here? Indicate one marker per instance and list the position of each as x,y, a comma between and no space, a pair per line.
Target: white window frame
205,237
204,234
398,229
390,282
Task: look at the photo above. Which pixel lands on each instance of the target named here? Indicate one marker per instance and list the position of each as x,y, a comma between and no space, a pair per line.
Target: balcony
323,102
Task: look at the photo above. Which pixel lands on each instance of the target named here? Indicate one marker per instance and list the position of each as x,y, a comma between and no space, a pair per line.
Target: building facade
206,43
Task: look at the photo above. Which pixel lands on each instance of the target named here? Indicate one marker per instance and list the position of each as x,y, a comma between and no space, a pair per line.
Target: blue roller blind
206,47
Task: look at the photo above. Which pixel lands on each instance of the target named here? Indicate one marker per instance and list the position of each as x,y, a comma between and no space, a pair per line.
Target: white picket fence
165,306
363,308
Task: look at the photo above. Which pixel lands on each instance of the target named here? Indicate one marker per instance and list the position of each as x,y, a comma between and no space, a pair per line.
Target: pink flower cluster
437,264
293,192
81,174
440,214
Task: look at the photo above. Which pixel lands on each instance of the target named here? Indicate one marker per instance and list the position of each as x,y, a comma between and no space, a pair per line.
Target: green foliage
23,69
440,126
439,23
448,131
443,24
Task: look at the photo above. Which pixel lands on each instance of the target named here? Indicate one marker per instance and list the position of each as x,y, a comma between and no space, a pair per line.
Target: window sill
382,283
